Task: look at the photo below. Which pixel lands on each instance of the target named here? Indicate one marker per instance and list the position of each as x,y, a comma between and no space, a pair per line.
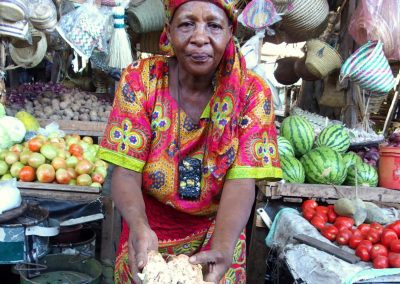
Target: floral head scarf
225,104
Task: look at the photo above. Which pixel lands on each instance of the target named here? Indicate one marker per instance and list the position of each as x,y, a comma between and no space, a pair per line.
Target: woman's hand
217,262
142,239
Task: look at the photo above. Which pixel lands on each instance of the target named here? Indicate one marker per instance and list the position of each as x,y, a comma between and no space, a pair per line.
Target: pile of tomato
371,242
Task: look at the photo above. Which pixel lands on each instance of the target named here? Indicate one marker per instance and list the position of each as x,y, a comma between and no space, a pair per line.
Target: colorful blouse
142,135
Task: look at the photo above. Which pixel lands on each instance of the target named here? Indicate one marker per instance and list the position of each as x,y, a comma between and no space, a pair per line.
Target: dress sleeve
127,137
257,155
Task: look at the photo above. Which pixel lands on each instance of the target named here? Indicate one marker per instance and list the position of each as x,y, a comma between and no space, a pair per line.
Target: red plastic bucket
389,167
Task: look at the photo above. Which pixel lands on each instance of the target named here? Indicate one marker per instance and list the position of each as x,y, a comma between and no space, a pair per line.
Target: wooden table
290,192
110,223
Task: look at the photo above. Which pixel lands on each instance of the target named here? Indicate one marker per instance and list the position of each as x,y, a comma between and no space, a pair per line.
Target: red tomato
355,241
367,244
373,236
381,262
322,210
394,259
378,249
309,203
308,213
395,226
35,144
377,227
357,233
362,253
331,214
323,216
27,174
395,246
330,232
364,228
76,150
343,237
318,222
388,235
344,221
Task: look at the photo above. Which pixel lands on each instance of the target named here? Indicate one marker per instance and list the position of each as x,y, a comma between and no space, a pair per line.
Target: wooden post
2,69
391,111
346,48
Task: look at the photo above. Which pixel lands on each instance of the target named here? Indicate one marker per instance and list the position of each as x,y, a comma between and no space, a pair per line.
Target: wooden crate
83,128
297,192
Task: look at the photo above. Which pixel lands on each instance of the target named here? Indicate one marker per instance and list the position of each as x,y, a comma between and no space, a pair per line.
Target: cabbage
14,127
5,141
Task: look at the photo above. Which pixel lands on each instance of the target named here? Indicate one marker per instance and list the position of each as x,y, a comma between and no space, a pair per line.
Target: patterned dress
142,135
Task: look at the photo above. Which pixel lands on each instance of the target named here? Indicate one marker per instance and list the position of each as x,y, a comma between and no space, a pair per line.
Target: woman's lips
199,57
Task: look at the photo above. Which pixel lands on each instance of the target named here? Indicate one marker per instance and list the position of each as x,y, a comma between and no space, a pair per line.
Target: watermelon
284,147
292,169
324,166
351,158
299,132
334,136
366,175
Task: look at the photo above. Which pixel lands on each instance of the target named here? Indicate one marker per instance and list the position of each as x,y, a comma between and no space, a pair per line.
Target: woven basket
375,103
305,19
149,43
146,17
369,68
13,10
321,58
31,56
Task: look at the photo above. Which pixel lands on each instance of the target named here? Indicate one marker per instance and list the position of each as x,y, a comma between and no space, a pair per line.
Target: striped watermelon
366,175
284,147
351,158
292,169
334,136
299,132
324,165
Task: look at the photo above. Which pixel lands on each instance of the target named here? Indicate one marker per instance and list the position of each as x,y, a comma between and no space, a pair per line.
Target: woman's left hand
216,261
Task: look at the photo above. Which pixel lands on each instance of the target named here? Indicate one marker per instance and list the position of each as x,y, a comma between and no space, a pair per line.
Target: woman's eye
185,25
215,26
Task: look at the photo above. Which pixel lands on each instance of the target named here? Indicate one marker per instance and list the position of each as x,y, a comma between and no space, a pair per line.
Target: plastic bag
85,29
52,130
259,15
251,50
10,196
377,20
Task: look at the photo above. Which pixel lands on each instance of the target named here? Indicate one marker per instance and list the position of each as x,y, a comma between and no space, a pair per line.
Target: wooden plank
61,195
328,248
85,128
258,251
110,231
58,187
379,194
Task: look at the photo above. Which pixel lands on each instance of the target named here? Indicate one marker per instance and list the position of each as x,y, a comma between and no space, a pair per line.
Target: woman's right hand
142,239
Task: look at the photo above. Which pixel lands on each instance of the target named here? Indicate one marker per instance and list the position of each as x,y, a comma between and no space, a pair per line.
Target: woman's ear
167,28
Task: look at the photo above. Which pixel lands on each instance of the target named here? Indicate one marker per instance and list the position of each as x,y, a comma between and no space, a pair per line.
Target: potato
63,105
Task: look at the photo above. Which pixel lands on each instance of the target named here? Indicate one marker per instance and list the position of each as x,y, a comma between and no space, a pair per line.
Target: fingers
205,257
141,253
133,264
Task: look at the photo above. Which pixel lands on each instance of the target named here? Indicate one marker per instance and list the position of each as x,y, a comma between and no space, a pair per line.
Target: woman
190,133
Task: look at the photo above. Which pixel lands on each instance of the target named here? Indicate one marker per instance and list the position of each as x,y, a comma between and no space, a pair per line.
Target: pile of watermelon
322,159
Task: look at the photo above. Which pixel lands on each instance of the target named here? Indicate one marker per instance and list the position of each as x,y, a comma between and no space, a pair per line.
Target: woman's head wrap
225,104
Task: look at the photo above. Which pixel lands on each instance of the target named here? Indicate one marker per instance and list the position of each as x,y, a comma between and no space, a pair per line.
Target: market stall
335,99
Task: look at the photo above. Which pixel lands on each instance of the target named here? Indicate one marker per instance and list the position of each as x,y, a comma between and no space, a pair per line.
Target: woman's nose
200,35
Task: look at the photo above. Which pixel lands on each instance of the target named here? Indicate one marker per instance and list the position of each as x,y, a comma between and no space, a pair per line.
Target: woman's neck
193,84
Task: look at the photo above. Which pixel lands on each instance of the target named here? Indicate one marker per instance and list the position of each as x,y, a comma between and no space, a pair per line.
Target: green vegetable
361,213
14,128
344,207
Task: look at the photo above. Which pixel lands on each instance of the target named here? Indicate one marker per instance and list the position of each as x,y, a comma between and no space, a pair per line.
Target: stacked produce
362,226
322,159
69,160
56,102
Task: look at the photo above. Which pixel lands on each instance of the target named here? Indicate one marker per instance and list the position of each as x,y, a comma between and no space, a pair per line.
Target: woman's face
199,32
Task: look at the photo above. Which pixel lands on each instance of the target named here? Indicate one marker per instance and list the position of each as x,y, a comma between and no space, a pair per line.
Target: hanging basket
146,17
321,58
31,56
369,68
149,43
